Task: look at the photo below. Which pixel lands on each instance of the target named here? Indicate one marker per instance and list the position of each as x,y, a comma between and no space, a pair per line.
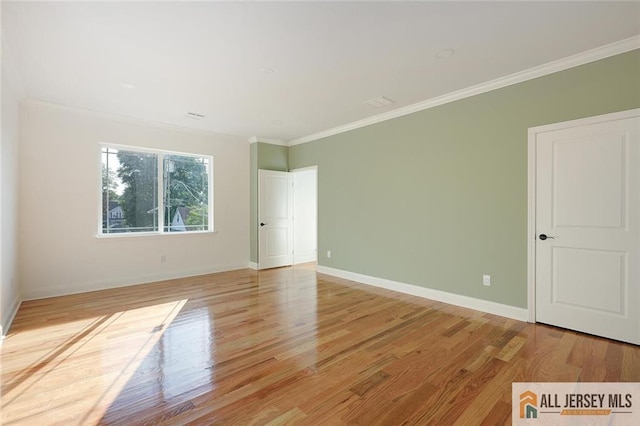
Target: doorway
287,217
305,215
584,225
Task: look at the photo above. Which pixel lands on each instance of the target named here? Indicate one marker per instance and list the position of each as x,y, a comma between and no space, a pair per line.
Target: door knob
545,236
262,224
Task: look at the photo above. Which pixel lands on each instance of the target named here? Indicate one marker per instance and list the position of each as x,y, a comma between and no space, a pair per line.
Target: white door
305,215
275,219
587,220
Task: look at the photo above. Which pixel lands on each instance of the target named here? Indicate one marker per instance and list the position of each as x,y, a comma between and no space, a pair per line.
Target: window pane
186,193
129,191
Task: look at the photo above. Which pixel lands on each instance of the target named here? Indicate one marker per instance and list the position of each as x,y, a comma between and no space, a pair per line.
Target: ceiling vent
380,102
195,115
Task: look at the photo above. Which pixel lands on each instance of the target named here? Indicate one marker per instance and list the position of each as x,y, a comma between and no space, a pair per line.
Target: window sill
145,235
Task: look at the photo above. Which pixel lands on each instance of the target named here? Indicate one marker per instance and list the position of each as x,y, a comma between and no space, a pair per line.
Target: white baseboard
253,265
508,311
76,288
8,318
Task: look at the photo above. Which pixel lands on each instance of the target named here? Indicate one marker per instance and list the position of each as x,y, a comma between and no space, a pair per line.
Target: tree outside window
141,189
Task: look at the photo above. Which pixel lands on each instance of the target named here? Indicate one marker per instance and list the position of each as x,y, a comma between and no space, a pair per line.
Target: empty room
320,213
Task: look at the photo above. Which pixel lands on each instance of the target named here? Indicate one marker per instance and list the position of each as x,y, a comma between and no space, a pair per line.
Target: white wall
12,92
305,215
60,205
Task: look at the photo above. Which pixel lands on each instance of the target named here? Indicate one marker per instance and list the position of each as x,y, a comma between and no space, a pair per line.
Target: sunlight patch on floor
63,372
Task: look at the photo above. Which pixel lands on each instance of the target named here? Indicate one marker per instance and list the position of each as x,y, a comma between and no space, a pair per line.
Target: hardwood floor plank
630,364
500,414
495,391
283,346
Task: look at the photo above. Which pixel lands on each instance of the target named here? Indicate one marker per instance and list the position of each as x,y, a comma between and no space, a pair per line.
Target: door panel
596,163
276,241
276,200
275,217
579,269
588,204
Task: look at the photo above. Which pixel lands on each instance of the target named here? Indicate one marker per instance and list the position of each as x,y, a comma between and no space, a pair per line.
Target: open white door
275,219
587,225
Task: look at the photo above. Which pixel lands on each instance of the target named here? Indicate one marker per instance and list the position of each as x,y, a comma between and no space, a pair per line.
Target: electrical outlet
328,253
486,280
163,258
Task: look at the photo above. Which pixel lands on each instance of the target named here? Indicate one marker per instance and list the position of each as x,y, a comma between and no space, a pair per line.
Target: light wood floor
280,346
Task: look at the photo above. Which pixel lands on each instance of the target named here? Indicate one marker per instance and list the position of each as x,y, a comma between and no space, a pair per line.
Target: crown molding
255,139
592,55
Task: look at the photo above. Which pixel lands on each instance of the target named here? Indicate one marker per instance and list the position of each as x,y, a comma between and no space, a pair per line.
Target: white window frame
161,154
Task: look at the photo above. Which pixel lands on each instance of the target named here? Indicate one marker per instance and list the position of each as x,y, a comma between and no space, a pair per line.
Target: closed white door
275,219
587,249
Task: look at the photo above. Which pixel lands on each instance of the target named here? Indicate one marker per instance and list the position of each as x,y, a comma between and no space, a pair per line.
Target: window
153,191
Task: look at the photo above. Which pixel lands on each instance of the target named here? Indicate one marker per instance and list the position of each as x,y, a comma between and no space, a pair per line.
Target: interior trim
487,306
519,77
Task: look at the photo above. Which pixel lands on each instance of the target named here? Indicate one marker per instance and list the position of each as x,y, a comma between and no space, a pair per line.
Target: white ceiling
287,70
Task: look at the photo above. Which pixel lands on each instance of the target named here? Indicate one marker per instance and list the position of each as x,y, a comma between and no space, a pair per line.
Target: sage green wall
273,157
269,157
439,197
